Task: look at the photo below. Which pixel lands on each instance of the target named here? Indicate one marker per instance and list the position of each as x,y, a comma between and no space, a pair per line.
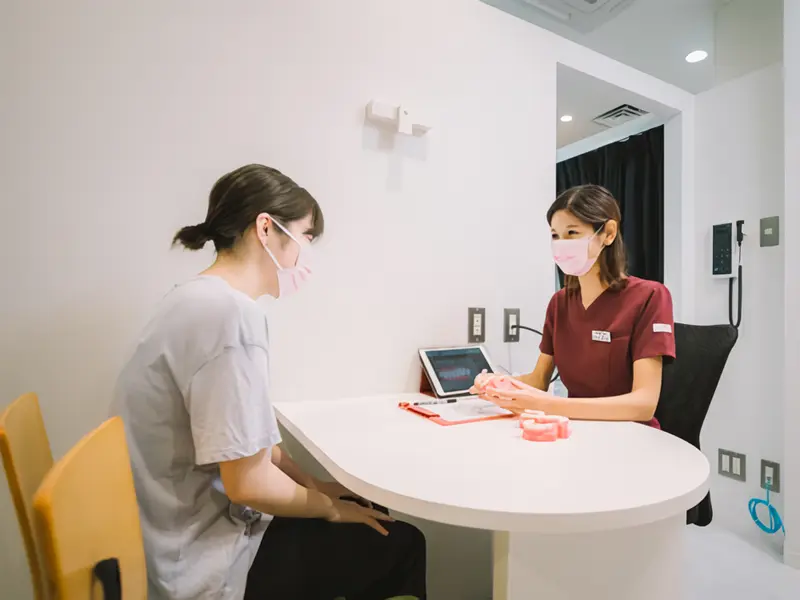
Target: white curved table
597,516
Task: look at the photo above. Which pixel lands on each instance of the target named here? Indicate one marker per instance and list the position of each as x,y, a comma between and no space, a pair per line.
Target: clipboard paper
465,410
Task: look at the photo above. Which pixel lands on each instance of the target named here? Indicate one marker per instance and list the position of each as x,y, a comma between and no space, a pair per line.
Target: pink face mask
572,256
290,279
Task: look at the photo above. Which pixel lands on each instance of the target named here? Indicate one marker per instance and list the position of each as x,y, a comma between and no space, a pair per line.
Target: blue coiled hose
775,521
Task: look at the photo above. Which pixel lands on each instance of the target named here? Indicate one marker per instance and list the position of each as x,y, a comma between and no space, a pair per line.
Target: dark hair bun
239,197
192,237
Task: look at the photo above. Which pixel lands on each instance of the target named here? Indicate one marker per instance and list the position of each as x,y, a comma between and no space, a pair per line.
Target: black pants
311,559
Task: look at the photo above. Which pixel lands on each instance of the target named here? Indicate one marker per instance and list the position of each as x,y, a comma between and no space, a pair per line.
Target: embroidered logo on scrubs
601,336
662,328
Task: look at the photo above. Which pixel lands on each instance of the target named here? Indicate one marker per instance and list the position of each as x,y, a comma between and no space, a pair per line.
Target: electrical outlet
732,464
476,326
511,325
771,471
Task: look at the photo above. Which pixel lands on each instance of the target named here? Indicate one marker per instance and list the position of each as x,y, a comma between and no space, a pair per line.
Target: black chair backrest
688,387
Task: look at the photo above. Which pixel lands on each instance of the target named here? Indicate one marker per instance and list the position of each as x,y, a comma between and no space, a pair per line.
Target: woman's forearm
639,405
535,380
282,460
274,493
258,482
542,374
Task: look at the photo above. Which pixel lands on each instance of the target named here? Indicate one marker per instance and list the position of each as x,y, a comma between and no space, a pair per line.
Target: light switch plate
770,231
476,332
729,461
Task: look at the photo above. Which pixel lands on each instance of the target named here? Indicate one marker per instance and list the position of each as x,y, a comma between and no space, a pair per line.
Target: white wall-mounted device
723,243
398,117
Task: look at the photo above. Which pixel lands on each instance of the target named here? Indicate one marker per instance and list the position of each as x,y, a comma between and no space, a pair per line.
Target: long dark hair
595,206
238,197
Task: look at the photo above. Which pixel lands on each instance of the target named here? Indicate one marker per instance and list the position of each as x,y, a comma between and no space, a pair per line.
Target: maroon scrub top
594,348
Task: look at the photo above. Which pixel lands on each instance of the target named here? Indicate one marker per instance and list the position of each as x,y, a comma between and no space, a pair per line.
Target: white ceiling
655,36
585,97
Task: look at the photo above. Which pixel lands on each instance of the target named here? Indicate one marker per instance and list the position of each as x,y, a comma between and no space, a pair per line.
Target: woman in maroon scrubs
608,333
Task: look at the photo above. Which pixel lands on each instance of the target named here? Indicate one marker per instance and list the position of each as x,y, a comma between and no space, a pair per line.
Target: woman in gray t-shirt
225,512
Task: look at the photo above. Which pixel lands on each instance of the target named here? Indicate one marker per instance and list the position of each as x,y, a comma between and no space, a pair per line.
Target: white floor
723,565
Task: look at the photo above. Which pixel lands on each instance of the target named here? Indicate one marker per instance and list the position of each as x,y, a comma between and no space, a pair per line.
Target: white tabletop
484,475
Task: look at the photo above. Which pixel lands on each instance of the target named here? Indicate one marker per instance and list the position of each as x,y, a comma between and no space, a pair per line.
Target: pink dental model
491,381
539,432
531,417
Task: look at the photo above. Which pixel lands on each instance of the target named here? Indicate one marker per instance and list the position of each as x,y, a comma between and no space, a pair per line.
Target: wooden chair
88,517
27,458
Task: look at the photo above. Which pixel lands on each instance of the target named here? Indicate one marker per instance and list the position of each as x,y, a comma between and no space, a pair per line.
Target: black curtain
633,171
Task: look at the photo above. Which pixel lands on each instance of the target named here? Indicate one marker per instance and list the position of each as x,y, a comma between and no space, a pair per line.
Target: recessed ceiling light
696,56
566,118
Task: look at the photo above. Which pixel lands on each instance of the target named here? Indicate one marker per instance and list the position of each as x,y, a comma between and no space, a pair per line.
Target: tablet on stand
448,375
450,372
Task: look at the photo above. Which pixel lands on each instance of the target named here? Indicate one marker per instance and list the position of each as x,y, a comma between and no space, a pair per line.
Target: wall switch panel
770,231
510,325
732,464
476,333
772,471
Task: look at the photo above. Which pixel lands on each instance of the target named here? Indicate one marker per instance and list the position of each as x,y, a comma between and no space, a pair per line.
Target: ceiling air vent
618,116
581,15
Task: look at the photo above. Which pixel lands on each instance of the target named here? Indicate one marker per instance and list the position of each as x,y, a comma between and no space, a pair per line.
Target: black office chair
688,387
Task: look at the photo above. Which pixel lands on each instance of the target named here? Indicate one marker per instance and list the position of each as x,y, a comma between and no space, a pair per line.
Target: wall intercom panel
723,242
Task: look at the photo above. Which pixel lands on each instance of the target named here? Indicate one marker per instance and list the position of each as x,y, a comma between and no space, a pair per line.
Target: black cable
557,376
739,303
529,329
739,240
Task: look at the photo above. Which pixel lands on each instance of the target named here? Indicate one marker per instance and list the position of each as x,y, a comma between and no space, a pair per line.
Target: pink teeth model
539,432
561,423
530,415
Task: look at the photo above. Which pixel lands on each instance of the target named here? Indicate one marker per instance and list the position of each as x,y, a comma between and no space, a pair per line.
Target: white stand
636,563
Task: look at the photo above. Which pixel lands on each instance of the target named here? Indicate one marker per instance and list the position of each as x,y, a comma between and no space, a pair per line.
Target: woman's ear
611,229
263,222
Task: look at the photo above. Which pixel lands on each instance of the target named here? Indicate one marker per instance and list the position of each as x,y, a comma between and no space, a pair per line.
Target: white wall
121,115
674,213
739,175
791,224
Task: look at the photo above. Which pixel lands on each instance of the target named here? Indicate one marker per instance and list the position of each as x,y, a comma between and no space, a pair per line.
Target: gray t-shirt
194,394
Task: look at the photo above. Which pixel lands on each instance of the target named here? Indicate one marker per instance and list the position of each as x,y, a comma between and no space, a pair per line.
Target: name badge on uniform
662,328
601,336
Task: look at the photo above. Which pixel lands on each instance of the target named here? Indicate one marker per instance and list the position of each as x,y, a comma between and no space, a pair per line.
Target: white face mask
290,279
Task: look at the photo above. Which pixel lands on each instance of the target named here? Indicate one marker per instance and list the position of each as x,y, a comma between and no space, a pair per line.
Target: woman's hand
486,382
343,511
510,393
519,397
336,491
493,381
483,378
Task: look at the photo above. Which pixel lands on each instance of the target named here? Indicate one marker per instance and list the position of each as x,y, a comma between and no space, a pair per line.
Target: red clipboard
429,412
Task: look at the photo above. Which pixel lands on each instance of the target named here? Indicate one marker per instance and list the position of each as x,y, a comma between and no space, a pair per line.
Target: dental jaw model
536,425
